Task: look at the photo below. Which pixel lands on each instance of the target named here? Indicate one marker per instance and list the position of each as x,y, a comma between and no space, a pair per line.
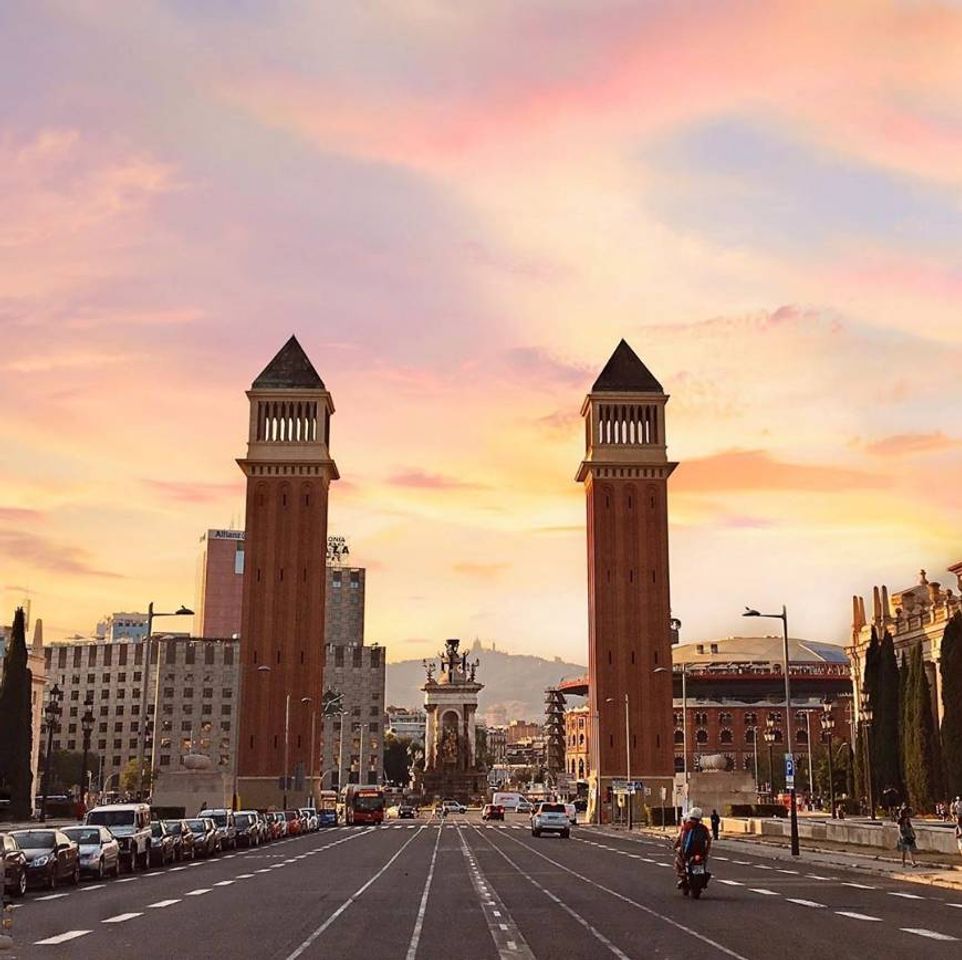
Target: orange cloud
189,492
419,480
484,571
902,444
744,470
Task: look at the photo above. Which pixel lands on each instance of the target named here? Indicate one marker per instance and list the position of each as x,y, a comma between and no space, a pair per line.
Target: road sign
619,786
789,771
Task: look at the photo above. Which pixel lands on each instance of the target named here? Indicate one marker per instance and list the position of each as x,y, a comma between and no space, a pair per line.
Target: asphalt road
472,891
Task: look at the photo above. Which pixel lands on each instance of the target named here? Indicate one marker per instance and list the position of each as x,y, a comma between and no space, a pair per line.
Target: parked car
51,857
130,824
572,812
183,839
14,866
226,828
161,845
247,827
550,818
99,850
453,806
492,811
294,825
206,841
277,824
524,806
309,817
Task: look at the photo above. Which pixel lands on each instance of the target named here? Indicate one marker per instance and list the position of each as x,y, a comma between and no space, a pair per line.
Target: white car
99,850
550,818
524,806
572,812
130,824
453,806
309,816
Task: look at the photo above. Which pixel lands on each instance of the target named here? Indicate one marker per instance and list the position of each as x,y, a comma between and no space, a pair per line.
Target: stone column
430,736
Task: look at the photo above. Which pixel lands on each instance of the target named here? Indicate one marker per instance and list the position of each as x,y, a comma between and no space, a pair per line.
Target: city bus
363,804
327,808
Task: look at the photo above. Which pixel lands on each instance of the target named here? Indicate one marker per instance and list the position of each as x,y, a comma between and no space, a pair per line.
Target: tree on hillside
951,667
886,760
16,722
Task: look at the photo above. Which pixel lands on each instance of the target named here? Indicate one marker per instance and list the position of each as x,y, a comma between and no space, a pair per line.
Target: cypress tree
870,685
904,671
922,774
16,722
951,666
886,722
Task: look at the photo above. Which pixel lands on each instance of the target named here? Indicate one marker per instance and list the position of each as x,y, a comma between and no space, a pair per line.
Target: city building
917,614
732,687
344,611
497,744
519,730
220,584
197,699
122,626
289,471
625,473
404,722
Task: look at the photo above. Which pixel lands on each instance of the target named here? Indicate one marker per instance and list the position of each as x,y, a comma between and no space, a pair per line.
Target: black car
182,837
206,841
161,845
14,866
51,857
248,829
405,812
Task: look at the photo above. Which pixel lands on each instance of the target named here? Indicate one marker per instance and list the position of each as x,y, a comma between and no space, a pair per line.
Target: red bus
363,804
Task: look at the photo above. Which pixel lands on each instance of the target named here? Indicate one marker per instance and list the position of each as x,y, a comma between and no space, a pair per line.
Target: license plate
698,869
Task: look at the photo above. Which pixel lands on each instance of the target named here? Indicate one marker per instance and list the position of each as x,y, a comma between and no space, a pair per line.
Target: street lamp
87,726
769,736
310,769
630,793
867,714
783,616
828,725
52,713
151,614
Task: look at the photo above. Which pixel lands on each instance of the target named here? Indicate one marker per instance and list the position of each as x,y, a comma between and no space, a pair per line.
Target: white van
130,824
511,801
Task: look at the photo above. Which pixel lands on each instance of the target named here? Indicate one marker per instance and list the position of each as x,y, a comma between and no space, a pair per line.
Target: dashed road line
63,937
160,904
422,908
199,892
930,934
857,916
805,903
763,891
122,918
906,896
52,896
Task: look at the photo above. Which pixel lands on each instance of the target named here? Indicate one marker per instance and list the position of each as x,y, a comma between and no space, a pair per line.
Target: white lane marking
907,896
53,896
804,903
638,906
794,873
597,934
858,916
422,908
763,891
723,859
175,869
64,937
199,892
761,866
160,904
742,863
224,883
96,886
858,886
265,870
954,904
732,883
244,876
122,918
127,880
931,934
354,896
815,876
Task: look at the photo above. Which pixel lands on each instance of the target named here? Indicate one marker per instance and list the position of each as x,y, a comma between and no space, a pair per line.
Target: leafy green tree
16,722
130,779
886,759
951,667
397,759
65,769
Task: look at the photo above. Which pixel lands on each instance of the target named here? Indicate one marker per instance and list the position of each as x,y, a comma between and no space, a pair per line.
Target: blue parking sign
789,771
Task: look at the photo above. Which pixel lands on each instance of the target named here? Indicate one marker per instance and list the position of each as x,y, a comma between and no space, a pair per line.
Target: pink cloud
418,480
902,444
44,554
186,491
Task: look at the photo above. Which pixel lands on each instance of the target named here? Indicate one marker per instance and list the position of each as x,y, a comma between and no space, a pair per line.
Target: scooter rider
693,837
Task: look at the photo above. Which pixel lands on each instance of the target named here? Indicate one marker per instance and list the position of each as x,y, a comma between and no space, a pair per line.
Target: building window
801,736
101,744
118,728
118,744
726,736
679,764
229,655
338,656
749,763
701,735
679,736
91,678
725,718
206,709
227,693
751,719
169,693
208,692
208,653
225,710
750,736
357,656
165,760
372,728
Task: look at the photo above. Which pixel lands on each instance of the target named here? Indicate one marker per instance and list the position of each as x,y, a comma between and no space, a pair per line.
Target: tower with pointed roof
625,472
289,470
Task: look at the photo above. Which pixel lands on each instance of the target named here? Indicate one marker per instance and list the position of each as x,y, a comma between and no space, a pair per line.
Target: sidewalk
932,870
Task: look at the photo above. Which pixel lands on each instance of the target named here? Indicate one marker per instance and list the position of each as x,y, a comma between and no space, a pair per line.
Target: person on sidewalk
906,841
715,824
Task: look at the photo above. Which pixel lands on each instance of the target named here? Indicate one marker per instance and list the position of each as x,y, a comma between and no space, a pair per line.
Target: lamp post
331,706
770,740
627,755
755,746
151,614
783,616
828,725
867,714
52,713
310,767
87,726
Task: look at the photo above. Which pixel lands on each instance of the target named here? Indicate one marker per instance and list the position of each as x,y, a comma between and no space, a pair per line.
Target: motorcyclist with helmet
693,838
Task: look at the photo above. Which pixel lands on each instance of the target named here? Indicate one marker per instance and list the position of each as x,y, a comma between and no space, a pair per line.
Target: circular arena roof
758,650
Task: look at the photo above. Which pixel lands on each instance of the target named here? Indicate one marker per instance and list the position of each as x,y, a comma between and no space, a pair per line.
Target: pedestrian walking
957,808
958,835
906,841
715,824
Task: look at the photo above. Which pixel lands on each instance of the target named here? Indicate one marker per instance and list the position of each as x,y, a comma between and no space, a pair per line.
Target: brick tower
625,473
289,470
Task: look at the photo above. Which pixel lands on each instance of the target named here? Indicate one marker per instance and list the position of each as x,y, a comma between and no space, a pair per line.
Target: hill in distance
514,684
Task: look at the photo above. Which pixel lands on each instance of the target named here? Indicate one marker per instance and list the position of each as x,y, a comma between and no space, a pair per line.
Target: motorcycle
697,876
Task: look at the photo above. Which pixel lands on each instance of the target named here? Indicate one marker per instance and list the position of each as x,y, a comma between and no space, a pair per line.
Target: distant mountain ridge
514,684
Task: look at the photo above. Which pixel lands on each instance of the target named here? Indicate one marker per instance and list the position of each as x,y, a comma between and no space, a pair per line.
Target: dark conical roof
290,369
625,373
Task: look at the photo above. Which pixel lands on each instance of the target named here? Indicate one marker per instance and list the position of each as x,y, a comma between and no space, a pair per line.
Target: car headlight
41,861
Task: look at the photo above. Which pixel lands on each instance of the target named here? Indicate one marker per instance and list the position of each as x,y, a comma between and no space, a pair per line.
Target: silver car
99,850
550,818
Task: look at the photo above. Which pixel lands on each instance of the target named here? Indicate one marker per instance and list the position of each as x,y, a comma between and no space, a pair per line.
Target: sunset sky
460,208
